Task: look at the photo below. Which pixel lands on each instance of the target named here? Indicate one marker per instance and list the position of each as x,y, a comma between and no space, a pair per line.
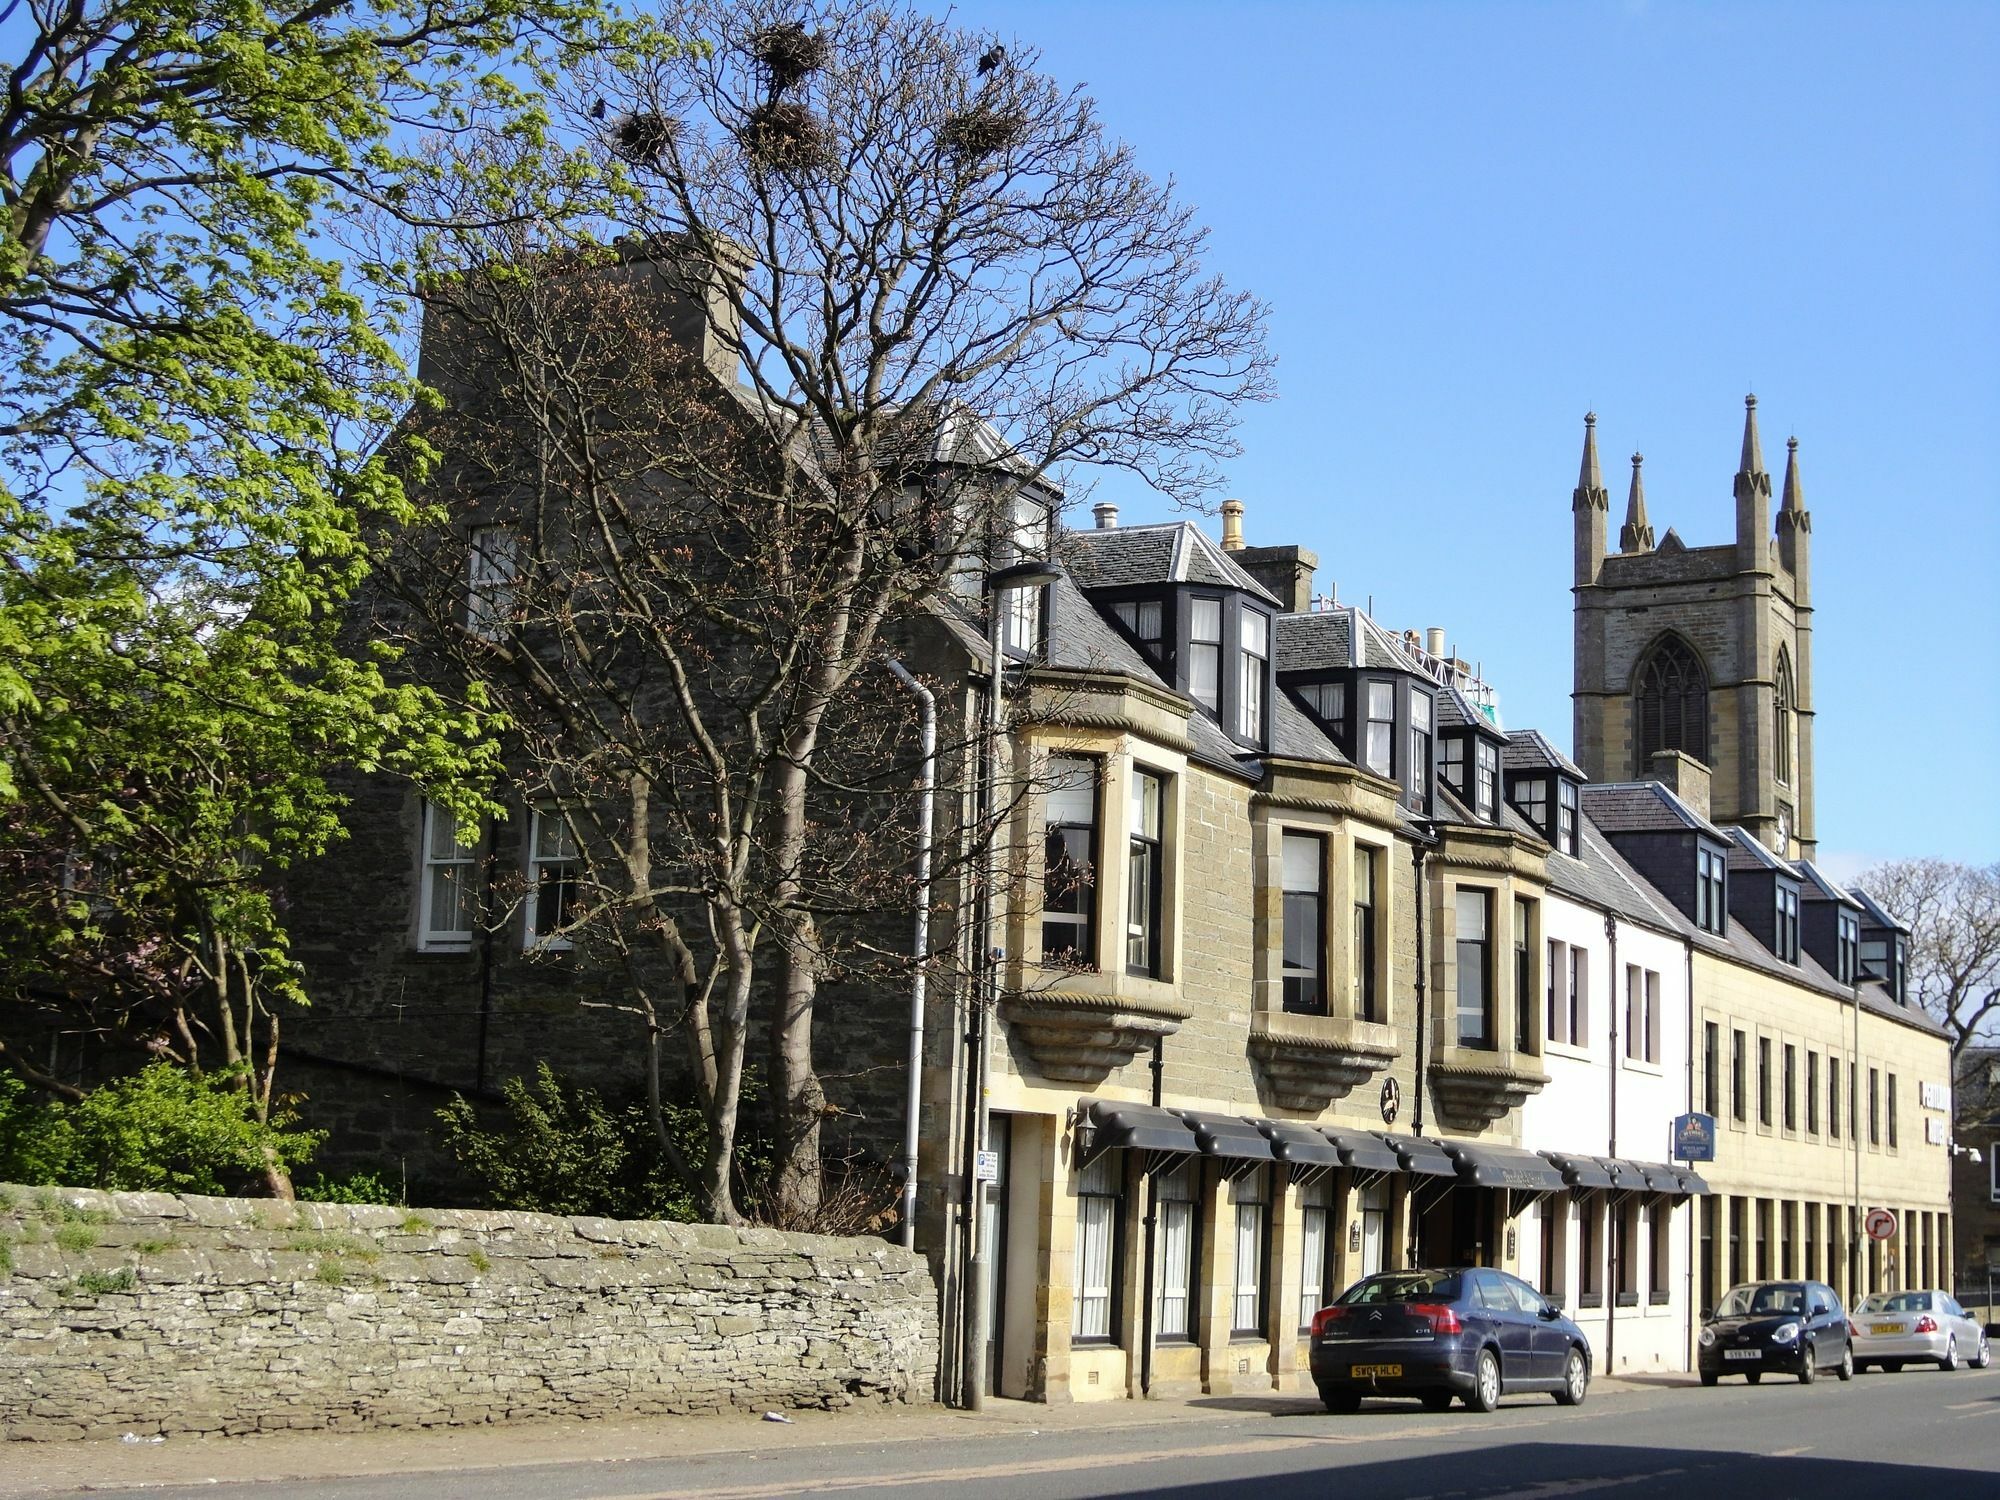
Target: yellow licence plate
1376,1372
1890,1327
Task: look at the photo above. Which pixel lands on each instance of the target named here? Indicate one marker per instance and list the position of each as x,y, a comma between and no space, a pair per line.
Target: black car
1786,1327
1466,1331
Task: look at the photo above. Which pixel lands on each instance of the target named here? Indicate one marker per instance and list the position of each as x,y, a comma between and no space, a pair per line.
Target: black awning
1298,1145
1491,1166
1692,1182
1660,1179
1420,1156
1626,1176
1227,1136
1364,1151
1136,1127
1581,1171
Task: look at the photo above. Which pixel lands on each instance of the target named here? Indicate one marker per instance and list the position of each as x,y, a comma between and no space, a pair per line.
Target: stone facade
143,1312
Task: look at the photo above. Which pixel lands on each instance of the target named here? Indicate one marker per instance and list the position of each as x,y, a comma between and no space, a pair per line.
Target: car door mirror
1551,1311
1820,1309
1707,1313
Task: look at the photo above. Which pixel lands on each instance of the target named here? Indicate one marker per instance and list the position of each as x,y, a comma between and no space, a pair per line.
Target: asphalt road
1882,1437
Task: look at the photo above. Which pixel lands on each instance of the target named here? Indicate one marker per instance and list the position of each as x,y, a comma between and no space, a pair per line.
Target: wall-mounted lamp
1082,1135
1354,1238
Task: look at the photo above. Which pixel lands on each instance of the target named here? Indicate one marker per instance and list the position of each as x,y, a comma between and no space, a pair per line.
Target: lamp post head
1030,573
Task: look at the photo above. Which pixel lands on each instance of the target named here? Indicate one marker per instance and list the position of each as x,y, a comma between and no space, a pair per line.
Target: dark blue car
1469,1332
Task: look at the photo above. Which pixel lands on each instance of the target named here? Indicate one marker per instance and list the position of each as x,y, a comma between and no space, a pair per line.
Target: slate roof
1748,856
1530,750
1295,736
1315,642
1170,552
1644,807
1817,887
1598,875
1877,915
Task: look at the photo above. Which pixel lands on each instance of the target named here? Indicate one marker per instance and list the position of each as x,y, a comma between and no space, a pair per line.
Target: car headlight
1784,1333
1707,1338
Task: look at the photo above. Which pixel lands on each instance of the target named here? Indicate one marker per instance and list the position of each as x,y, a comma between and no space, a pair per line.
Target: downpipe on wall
920,942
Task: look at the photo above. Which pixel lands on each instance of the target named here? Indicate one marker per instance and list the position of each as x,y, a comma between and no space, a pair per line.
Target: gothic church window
1671,703
1783,699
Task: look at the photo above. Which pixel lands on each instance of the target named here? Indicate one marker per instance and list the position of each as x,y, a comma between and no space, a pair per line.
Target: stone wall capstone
155,1313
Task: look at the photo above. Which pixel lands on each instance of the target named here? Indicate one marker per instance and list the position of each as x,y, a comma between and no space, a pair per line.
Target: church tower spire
1753,497
1795,525
1636,535
1590,505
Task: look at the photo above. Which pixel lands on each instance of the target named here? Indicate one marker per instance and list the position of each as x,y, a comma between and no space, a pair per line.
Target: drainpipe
1152,1222
920,943
1854,1258
1611,1149
1693,1207
1417,852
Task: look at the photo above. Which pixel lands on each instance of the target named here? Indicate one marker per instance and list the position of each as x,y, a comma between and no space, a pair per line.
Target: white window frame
1176,1192
1253,636
1205,652
433,868
492,572
1315,1231
1099,1197
539,819
1250,1194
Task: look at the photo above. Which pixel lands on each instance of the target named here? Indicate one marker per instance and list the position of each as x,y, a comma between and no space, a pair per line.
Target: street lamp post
1028,574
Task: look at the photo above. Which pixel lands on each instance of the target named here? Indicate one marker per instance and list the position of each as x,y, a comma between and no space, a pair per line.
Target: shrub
161,1129
356,1187
565,1150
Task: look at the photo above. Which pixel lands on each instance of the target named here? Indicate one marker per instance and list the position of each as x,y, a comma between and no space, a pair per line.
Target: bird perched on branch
991,58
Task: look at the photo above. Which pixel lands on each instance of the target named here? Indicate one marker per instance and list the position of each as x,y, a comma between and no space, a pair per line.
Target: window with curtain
1069,862
1145,619
1475,967
447,895
1659,1257
1670,705
1327,702
1302,858
1250,1196
1175,1192
1315,1247
554,868
1253,637
1205,653
1524,977
1420,749
1098,1191
1379,748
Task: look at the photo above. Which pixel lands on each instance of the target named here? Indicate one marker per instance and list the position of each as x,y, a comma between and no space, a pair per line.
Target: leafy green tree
195,387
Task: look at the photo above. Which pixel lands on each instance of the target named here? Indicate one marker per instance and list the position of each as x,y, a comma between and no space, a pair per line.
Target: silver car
1893,1329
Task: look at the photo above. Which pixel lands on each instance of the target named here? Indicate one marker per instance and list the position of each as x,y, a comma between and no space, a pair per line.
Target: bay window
1302,859
1143,877
1420,750
1069,862
1362,960
1566,809
1205,653
1486,779
1327,702
1143,617
1475,968
1253,651
1531,795
1379,747
1524,977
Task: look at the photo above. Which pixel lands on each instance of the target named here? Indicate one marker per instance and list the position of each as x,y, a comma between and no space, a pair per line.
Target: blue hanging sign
1694,1137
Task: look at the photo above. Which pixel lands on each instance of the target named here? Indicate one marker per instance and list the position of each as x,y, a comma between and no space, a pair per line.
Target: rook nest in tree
643,137
789,51
787,137
974,133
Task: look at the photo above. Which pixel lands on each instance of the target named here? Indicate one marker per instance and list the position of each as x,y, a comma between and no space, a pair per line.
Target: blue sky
1476,221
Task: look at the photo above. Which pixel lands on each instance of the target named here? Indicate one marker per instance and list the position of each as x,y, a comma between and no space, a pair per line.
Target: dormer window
1785,941
1145,619
1453,768
1711,891
1486,779
1252,655
1420,750
1378,752
1205,653
1327,702
1847,948
1531,796
1566,810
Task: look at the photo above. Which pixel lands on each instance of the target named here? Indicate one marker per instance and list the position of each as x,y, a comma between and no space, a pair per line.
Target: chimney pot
1107,515
1434,641
1232,526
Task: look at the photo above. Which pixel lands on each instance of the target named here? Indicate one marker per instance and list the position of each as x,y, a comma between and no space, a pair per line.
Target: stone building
1976,1172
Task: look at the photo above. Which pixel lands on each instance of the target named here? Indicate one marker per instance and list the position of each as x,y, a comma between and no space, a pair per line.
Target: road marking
1969,1405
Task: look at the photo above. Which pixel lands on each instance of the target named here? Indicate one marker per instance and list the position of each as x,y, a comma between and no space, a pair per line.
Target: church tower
1702,650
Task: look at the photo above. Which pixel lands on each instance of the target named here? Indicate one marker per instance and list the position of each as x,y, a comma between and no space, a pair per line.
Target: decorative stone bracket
1474,1087
1310,1061
1079,1037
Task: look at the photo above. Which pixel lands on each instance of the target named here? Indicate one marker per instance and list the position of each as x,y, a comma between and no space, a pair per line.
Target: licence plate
1376,1372
1889,1328
1742,1353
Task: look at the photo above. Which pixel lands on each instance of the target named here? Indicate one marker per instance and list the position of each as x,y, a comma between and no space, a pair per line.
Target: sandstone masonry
143,1312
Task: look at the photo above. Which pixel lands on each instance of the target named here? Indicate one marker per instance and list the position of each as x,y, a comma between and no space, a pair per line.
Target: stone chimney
1683,775
1286,571
1106,514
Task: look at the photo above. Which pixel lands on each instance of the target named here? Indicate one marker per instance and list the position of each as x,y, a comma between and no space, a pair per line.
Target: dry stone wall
153,1313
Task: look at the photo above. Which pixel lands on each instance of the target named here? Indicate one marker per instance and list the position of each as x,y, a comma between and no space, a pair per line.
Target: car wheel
1436,1400
1846,1367
1808,1366
1754,1376
1950,1360
1342,1403
1485,1392
1985,1355
1576,1380
1709,1377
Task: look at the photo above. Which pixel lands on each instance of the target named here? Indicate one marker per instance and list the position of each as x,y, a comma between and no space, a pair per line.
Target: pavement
299,1459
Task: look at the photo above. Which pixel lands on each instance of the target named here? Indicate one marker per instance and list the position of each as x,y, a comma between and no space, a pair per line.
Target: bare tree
1953,912
881,291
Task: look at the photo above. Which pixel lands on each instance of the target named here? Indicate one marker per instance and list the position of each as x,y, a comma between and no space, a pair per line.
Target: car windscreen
1897,1302
1408,1286
1758,1301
